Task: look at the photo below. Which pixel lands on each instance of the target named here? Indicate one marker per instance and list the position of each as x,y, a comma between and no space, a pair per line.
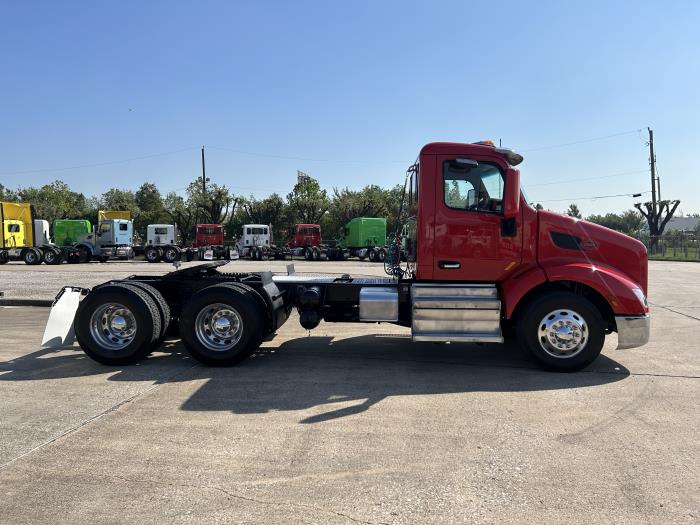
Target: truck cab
207,235
162,244
160,234
304,235
113,237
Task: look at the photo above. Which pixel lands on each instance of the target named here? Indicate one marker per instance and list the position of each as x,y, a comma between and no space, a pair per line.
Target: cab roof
478,148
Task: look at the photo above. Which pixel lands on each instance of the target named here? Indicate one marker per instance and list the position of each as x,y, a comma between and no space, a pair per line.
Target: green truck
67,232
365,237
361,237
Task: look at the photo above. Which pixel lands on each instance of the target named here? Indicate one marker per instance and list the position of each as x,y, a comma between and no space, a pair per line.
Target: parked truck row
78,241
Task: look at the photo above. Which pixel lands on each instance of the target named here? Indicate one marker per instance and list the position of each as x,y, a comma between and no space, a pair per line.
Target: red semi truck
481,264
210,237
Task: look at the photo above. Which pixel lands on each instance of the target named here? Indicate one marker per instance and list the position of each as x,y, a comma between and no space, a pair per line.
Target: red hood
563,239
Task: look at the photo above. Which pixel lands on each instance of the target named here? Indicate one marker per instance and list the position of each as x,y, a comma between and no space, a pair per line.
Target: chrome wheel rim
49,256
563,333
218,327
113,326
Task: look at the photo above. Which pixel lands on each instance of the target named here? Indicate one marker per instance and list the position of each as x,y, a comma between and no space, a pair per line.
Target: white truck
256,242
162,245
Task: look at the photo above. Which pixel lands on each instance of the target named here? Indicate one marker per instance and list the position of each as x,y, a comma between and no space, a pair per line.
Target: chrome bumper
632,330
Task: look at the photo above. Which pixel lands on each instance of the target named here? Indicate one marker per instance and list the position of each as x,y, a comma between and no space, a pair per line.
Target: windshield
209,230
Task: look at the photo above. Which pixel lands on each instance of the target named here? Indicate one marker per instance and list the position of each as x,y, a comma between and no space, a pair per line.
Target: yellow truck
27,239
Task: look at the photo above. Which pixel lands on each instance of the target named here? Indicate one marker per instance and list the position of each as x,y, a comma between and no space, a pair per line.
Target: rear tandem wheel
222,324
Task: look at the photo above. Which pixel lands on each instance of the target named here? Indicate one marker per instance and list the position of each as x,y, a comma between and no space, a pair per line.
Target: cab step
456,312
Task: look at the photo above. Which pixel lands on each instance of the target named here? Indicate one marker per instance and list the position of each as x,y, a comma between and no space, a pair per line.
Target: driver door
473,241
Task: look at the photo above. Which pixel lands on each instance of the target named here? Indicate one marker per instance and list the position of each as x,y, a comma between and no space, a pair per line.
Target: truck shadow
327,377
340,378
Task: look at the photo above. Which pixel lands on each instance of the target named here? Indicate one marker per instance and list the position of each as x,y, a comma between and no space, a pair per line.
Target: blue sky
348,92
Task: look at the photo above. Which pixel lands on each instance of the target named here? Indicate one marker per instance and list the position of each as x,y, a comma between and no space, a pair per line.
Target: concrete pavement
354,424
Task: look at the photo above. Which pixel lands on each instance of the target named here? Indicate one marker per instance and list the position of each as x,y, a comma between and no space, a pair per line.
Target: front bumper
632,330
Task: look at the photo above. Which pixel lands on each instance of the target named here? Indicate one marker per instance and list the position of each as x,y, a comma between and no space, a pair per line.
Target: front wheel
84,254
563,331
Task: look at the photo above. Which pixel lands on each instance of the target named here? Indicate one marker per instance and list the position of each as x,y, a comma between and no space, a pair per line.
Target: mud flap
59,327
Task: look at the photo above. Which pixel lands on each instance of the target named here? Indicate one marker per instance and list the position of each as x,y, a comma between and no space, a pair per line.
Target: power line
307,159
573,199
582,141
587,178
98,164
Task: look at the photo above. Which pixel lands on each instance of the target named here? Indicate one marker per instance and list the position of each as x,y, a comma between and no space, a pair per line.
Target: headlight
641,297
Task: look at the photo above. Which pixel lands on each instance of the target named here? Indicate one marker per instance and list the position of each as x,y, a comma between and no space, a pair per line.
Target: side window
471,186
105,227
247,230
123,227
13,228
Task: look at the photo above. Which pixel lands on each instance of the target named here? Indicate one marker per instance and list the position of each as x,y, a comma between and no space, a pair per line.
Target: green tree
214,206
150,208
307,201
573,211
183,214
55,201
657,217
119,200
346,204
6,194
628,222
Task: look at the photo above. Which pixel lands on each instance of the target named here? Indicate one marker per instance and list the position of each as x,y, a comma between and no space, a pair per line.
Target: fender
610,284
515,288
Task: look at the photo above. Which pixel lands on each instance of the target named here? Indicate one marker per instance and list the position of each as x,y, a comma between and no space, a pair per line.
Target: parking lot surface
349,424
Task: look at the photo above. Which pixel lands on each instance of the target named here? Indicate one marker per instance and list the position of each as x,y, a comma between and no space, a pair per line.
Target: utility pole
652,163
204,174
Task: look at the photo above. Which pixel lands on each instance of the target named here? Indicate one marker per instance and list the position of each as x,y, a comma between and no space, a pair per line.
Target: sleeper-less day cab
481,263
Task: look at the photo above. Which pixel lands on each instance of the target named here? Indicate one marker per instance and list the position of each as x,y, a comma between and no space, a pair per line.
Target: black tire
372,255
84,254
262,307
560,304
171,254
145,313
4,257
52,257
316,254
152,254
160,302
308,253
236,299
381,255
31,256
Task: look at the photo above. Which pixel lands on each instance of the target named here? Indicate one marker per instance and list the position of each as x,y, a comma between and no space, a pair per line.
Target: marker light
512,157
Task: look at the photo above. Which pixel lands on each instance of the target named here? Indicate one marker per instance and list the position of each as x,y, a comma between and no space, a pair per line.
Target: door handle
449,265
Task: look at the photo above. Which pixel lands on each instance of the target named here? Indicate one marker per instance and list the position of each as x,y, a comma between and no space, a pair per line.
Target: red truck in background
210,237
304,236
481,264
